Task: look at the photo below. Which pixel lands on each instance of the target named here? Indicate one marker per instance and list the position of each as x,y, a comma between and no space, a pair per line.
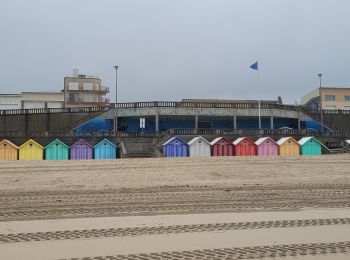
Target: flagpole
259,101
255,66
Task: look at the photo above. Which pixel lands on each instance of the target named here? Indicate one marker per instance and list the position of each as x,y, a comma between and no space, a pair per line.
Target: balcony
102,101
102,90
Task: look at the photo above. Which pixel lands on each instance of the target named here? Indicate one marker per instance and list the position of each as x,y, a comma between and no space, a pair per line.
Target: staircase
137,148
317,117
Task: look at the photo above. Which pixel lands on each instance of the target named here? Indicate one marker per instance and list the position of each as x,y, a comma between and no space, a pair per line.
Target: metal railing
202,105
167,104
329,112
53,110
172,132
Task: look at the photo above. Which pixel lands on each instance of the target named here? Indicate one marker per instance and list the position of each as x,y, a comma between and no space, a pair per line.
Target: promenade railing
173,132
146,105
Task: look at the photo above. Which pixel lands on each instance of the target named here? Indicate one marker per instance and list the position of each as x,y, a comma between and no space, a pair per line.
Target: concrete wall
44,122
338,121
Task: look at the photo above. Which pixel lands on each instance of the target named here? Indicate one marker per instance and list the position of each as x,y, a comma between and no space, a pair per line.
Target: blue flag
254,66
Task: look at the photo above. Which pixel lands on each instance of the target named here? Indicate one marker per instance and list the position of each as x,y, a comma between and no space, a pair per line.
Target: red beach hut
244,146
266,146
221,146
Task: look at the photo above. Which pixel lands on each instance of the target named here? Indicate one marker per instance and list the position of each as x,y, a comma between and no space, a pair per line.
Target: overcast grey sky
174,49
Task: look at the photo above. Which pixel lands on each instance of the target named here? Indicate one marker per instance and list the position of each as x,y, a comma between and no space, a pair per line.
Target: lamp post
116,84
321,107
116,101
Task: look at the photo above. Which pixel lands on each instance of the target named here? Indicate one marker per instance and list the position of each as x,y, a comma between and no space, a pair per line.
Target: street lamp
321,112
116,84
116,101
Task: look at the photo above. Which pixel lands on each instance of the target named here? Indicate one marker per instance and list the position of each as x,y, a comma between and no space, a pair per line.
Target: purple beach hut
81,150
266,147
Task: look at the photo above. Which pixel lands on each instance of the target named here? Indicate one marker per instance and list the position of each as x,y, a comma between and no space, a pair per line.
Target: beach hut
221,146
31,150
105,150
310,146
175,147
81,150
266,146
56,150
8,151
244,146
199,147
288,146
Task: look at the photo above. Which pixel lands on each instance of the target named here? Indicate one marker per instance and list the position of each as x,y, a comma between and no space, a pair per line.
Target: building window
330,98
347,108
88,86
73,86
347,98
73,97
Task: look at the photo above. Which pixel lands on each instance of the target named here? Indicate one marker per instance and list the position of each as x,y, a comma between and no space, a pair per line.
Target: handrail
52,110
147,105
150,104
186,131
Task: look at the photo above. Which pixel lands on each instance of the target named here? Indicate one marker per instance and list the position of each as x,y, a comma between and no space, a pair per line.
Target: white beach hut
199,147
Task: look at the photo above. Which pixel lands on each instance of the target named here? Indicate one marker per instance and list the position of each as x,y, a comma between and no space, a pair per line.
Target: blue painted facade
105,150
132,124
279,122
218,122
96,125
252,122
176,147
171,122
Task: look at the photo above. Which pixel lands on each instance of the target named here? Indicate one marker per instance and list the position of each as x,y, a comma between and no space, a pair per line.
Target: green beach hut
56,150
310,146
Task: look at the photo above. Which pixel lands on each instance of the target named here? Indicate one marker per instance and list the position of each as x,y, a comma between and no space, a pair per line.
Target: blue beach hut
175,147
56,150
105,150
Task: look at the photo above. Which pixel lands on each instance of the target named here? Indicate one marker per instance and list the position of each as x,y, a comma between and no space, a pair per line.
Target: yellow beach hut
288,146
8,151
31,150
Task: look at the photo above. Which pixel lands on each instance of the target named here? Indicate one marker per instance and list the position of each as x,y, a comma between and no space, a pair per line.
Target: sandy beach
184,208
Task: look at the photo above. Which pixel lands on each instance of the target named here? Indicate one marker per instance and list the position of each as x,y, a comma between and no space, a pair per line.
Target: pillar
157,123
234,122
299,127
271,122
196,121
115,124
48,115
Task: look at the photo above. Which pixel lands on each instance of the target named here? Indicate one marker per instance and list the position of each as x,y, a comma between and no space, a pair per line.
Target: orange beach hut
288,146
8,151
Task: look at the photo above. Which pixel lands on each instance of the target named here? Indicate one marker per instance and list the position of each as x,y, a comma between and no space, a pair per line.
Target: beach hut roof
82,141
197,139
263,139
240,139
31,141
304,140
218,139
9,142
57,140
175,138
285,139
107,141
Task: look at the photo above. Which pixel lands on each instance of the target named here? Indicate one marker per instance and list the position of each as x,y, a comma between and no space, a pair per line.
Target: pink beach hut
266,146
